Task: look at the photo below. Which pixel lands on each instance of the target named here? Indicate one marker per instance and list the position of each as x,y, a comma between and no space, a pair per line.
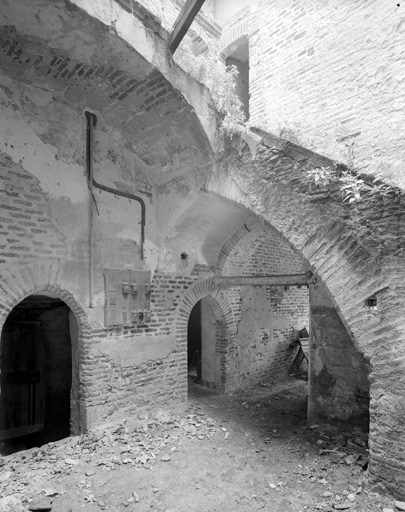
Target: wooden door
22,379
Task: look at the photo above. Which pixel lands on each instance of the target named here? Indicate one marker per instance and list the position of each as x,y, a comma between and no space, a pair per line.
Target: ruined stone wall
266,316
329,76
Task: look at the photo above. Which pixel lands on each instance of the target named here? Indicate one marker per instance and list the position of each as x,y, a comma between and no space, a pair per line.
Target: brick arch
226,326
273,185
248,237
36,278
232,35
42,279
253,227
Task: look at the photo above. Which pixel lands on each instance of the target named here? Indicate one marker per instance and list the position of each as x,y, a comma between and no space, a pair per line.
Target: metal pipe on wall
91,123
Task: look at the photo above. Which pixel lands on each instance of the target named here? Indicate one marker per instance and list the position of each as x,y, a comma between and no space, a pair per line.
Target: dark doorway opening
194,343
202,357
36,373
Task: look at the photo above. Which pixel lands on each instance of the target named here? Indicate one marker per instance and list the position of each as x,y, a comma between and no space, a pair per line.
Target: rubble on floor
248,452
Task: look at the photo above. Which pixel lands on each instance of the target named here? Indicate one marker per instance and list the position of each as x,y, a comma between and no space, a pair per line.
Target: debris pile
29,480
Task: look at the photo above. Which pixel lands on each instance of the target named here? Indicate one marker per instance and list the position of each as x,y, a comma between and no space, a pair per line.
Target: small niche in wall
371,302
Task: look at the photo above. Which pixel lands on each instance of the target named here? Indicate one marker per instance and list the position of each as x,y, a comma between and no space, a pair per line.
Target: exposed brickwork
151,89
42,278
329,76
225,329
26,229
330,236
266,316
202,270
236,28
107,388
354,257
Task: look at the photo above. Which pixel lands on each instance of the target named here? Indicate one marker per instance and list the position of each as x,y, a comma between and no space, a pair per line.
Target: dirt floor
248,452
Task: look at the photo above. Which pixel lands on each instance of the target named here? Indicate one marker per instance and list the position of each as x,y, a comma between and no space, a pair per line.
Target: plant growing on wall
322,177
219,79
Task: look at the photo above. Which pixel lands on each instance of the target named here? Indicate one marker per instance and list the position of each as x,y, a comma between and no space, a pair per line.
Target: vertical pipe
91,121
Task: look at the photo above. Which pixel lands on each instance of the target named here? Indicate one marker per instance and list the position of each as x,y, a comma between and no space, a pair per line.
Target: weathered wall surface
45,218
338,375
356,249
134,25
329,76
55,64
266,316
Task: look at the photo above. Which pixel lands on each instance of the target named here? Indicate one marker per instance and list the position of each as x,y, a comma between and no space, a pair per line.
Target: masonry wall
329,76
339,387
266,316
44,248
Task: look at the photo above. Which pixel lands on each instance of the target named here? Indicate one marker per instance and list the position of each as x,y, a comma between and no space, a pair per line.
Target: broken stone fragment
11,504
73,462
41,503
342,506
5,476
400,505
49,492
165,458
63,508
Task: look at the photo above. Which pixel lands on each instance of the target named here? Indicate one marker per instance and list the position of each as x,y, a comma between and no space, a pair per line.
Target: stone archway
225,324
41,279
353,263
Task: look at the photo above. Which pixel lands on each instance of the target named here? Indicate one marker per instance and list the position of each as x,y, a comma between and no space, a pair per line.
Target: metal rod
266,280
91,122
128,196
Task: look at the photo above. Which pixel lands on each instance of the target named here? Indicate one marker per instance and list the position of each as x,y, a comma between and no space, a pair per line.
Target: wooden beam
266,280
183,22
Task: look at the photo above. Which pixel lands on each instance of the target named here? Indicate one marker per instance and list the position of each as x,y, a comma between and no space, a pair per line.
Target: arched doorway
36,365
201,345
238,56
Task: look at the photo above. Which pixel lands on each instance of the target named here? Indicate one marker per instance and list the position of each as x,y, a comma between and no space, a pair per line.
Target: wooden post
183,22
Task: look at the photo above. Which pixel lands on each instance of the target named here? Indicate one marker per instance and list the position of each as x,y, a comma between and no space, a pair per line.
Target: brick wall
266,316
356,250
45,249
26,228
329,75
